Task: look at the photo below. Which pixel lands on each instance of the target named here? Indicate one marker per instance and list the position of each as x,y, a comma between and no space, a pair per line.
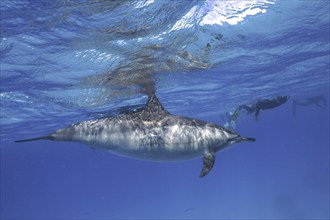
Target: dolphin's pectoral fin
208,162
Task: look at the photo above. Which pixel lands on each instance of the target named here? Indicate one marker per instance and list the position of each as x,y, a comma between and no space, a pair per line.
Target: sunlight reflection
220,12
233,12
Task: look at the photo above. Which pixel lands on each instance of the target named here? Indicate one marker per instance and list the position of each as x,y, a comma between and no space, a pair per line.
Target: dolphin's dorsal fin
154,105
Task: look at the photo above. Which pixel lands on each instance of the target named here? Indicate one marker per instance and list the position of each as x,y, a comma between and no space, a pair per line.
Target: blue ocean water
67,61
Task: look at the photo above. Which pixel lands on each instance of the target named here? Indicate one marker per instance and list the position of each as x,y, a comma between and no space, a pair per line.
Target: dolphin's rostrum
152,134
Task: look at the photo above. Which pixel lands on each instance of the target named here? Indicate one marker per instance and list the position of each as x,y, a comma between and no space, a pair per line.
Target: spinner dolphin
151,134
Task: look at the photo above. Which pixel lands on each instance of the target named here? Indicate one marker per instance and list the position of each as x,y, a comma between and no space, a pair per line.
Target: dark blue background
47,47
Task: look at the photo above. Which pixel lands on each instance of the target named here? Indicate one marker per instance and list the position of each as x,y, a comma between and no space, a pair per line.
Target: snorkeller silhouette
263,104
318,100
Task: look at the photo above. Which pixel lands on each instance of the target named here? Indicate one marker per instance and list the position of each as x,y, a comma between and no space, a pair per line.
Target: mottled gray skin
151,134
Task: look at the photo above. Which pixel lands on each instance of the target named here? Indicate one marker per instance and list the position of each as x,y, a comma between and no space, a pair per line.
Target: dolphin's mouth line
248,139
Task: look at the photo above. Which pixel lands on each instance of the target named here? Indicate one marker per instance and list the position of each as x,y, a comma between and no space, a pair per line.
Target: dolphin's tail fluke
49,137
